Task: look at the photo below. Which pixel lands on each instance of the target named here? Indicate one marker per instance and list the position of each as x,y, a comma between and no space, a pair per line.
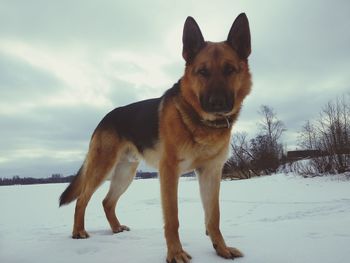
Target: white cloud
82,82
140,69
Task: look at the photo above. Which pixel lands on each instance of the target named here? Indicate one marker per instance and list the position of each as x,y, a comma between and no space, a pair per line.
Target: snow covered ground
276,219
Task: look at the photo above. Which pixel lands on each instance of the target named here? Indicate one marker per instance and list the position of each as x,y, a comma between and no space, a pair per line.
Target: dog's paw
82,234
121,228
179,257
228,252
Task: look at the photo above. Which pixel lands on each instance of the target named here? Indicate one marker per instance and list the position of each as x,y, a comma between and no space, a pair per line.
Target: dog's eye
204,72
228,70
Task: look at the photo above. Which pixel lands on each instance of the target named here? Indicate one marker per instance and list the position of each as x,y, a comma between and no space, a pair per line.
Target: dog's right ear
192,39
239,36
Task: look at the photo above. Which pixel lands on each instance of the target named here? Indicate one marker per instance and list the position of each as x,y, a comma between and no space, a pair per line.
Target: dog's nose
219,103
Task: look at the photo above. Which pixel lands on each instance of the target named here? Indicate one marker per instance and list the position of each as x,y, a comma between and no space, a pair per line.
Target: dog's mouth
218,103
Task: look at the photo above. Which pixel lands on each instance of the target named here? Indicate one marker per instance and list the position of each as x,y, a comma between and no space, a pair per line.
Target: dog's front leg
209,178
169,178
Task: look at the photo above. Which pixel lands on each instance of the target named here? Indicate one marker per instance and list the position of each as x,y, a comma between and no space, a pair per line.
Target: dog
186,129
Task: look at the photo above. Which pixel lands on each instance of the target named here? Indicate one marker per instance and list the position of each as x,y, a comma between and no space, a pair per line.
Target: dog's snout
217,103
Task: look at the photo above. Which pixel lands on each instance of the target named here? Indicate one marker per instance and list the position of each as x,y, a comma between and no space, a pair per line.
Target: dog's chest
198,157
189,158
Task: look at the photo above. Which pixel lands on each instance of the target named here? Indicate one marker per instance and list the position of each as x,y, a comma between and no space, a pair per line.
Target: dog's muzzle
217,103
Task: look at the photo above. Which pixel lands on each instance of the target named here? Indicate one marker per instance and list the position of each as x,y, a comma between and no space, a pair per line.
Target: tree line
329,136
324,145
59,178
55,178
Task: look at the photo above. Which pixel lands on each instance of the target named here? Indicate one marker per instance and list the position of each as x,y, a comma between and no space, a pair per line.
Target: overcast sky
65,64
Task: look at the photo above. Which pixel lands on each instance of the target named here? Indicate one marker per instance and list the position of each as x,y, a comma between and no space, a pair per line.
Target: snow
272,219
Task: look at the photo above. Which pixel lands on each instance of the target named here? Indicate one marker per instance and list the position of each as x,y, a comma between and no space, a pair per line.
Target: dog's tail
73,190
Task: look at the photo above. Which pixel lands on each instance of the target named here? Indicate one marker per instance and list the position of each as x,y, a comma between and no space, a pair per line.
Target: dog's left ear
239,36
192,39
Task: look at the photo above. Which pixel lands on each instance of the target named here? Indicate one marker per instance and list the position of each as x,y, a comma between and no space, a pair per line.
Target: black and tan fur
188,128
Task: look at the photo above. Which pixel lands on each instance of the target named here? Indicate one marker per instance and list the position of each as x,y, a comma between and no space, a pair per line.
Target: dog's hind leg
120,181
104,152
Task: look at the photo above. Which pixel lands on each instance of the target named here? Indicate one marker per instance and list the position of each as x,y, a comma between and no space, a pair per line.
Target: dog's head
217,76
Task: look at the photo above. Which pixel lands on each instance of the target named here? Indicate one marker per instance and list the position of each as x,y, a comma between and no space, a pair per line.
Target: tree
266,147
270,125
329,135
56,176
307,136
239,164
260,155
266,154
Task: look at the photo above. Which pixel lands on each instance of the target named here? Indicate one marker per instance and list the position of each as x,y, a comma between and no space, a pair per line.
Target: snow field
275,219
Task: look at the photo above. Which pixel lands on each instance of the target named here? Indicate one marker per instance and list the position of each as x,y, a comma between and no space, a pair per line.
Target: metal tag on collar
227,122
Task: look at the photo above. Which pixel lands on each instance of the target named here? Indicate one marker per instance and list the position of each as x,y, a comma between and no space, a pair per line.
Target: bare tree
269,124
307,136
329,135
239,165
260,155
266,147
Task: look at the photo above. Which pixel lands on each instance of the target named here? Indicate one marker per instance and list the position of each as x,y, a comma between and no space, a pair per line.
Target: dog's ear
192,39
239,36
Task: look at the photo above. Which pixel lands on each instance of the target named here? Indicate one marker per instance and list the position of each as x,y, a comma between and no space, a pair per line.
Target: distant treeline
58,178
55,178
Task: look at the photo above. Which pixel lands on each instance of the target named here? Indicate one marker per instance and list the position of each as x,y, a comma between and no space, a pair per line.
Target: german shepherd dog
188,128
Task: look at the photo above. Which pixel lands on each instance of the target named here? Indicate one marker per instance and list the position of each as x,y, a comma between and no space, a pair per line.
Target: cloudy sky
65,64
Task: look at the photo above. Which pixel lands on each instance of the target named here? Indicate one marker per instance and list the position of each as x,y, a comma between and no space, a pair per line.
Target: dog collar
224,122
